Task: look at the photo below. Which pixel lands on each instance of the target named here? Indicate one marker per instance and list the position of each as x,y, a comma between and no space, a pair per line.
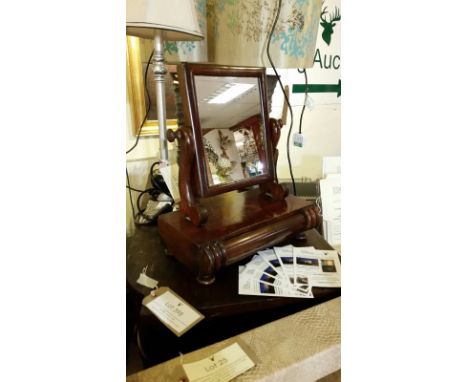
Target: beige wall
321,127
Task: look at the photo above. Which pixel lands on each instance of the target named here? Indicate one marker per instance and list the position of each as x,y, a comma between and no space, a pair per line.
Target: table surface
146,249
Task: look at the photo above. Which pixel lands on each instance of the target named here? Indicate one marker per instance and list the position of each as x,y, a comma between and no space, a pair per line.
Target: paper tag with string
145,280
172,310
222,366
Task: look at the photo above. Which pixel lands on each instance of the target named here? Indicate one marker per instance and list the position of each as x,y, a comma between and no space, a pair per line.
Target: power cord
150,191
130,194
303,70
134,189
130,189
284,93
160,200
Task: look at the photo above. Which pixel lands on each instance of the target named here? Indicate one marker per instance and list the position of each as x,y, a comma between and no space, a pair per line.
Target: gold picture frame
136,49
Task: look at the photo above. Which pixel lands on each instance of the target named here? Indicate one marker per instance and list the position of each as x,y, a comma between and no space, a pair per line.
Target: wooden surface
145,249
233,213
226,312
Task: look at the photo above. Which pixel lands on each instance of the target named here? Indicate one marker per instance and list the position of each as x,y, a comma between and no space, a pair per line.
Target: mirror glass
232,127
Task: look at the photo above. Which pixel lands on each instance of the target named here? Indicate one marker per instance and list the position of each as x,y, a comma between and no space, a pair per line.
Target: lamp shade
176,18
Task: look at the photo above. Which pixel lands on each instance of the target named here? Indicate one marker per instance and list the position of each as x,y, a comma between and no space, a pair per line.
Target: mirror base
240,224
275,191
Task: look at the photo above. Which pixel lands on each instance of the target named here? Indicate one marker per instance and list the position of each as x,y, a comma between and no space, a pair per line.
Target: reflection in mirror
232,127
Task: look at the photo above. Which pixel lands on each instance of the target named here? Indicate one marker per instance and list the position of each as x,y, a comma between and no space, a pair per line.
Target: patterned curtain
236,33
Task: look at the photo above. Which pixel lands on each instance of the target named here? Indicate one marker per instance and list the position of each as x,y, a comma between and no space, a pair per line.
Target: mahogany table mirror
228,129
228,118
230,204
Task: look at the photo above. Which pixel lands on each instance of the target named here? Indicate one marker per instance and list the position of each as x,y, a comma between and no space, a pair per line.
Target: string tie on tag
153,292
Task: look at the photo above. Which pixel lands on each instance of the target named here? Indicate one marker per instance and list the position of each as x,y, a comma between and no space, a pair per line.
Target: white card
285,258
222,366
147,281
318,268
173,312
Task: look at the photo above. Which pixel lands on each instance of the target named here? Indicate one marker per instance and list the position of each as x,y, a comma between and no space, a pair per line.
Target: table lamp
162,20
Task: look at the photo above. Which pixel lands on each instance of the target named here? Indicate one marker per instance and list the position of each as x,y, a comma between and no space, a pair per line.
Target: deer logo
329,25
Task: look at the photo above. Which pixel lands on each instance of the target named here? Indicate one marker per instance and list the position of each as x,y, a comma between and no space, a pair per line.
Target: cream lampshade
162,20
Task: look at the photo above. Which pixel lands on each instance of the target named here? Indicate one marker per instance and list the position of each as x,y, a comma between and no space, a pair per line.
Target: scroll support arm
196,214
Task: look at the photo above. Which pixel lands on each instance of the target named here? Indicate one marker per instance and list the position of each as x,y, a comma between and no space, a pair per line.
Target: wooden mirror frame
186,75
216,226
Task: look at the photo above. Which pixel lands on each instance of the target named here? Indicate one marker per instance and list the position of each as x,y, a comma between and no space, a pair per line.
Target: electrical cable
284,93
130,194
140,210
149,104
152,167
130,189
134,189
154,191
305,97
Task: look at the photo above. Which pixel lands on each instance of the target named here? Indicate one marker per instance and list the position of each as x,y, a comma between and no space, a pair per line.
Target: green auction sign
324,75
318,88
